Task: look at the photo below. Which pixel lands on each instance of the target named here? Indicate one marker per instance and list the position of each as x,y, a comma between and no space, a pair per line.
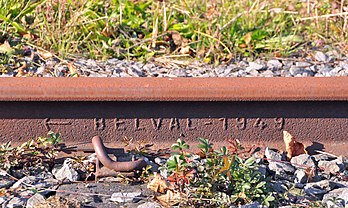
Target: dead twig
323,16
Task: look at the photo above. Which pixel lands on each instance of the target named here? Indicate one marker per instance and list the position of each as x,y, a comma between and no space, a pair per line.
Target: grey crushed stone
104,192
300,176
320,56
317,63
150,205
111,193
6,182
330,167
65,171
124,197
35,200
302,160
336,198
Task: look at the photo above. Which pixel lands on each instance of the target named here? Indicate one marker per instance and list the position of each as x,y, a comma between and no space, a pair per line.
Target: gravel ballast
312,64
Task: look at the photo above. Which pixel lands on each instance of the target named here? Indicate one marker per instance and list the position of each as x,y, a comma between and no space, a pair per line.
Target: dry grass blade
324,16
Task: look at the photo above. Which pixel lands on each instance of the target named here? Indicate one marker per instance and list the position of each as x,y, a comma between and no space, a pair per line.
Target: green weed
216,177
212,31
42,150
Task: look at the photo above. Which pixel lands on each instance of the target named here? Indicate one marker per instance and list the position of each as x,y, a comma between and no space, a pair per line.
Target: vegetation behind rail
211,31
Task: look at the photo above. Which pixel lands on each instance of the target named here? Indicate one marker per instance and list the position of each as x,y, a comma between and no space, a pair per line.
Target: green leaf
268,199
261,184
141,6
238,159
36,153
204,144
246,186
172,164
249,161
175,146
179,27
19,27
259,35
180,145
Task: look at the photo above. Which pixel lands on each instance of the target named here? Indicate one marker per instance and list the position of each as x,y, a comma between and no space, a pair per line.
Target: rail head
174,89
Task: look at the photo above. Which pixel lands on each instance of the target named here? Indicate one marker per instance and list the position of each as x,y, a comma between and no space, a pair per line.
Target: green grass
210,31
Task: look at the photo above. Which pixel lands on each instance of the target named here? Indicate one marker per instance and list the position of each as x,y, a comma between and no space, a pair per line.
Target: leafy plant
145,173
216,177
39,151
53,138
180,145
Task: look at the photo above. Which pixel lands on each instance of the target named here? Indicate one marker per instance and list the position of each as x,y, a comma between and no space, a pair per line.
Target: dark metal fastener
103,157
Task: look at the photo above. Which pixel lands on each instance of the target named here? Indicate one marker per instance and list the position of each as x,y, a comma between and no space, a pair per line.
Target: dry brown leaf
293,147
310,172
185,50
247,38
28,35
177,39
106,31
242,45
21,72
171,198
2,192
158,184
57,201
45,55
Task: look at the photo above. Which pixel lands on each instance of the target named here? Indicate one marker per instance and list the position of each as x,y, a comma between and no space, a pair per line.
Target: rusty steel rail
160,110
174,89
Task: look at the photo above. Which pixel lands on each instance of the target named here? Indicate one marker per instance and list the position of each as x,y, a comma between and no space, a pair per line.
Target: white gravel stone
6,182
160,161
302,160
273,155
66,171
275,64
320,56
254,72
150,205
268,73
125,197
35,200
256,66
302,64
279,187
330,166
245,67
336,198
255,204
2,200
300,176
276,164
296,71
16,202
312,191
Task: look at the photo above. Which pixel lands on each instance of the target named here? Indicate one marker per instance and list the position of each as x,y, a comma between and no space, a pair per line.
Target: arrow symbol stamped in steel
47,122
